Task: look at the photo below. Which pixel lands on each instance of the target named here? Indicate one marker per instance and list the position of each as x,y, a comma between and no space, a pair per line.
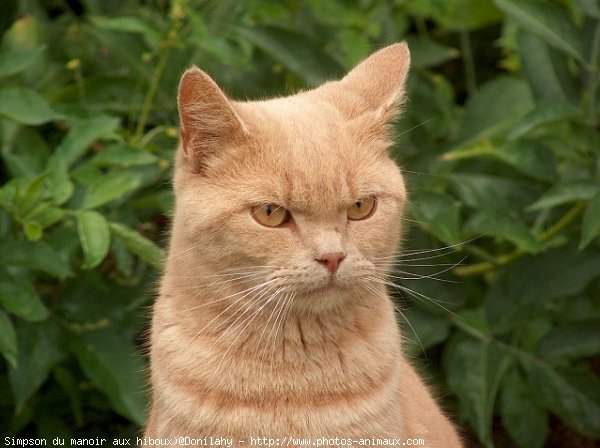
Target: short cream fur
255,332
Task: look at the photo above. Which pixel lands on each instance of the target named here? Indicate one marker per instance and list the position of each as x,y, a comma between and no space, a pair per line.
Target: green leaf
549,21
525,420
423,330
124,156
114,366
511,98
25,106
544,113
589,7
591,222
109,188
94,235
439,213
8,339
18,296
572,394
139,244
566,192
474,371
34,255
39,351
33,230
546,69
427,52
15,61
296,51
70,385
576,339
59,184
83,133
480,190
499,224
130,24
528,157
522,289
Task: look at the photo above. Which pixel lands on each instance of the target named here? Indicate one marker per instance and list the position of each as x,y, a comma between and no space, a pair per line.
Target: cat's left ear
208,120
378,82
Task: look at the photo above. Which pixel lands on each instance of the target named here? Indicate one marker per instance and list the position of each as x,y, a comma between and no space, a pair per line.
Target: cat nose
331,261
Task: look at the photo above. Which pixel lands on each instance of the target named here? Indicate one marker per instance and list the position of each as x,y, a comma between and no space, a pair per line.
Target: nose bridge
328,240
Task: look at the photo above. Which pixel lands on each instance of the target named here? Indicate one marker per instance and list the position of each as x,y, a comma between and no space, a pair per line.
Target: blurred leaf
591,222
528,157
139,244
589,7
566,192
34,255
83,133
458,15
474,371
530,283
525,420
546,69
71,387
110,187
130,24
15,61
544,113
481,190
94,235
423,330
25,152
114,366
33,230
8,339
296,51
25,106
549,21
499,224
439,213
123,155
18,296
577,339
58,183
572,394
427,52
511,98
39,351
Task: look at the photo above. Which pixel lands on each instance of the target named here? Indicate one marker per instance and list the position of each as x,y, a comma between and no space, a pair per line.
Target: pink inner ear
207,118
378,83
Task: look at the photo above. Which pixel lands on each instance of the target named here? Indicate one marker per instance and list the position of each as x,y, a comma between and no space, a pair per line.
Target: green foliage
499,142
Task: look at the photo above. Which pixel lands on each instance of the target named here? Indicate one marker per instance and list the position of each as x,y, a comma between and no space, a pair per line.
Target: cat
273,318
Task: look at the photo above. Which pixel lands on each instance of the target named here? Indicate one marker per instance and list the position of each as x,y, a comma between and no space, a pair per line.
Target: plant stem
177,14
593,74
467,52
149,99
503,260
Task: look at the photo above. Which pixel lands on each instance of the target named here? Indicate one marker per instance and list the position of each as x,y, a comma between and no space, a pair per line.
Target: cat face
298,193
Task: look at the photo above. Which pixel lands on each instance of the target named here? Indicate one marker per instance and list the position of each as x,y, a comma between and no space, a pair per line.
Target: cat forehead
307,156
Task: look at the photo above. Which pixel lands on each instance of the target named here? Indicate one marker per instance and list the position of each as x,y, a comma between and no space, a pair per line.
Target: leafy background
499,142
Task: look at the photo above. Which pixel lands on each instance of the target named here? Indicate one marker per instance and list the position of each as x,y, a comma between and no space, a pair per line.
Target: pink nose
331,261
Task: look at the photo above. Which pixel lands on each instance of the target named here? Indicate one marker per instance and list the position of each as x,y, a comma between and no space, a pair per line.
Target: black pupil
359,204
269,209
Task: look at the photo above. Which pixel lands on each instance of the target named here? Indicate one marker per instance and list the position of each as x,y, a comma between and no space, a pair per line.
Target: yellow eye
362,209
271,215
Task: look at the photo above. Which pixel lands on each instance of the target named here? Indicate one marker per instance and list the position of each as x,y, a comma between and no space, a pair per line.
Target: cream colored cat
273,319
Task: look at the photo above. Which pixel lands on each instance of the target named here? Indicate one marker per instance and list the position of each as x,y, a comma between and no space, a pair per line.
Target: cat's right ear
208,120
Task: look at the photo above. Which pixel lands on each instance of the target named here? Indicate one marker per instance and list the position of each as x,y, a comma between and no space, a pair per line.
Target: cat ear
379,82
207,118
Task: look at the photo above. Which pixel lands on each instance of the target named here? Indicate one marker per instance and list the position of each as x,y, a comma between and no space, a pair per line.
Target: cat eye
362,209
271,215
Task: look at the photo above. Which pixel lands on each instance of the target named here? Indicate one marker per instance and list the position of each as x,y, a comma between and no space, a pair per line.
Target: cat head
296,193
